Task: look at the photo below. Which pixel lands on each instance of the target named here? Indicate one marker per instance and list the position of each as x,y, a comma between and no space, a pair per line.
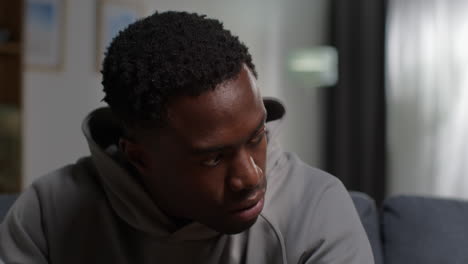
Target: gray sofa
415,230
407,229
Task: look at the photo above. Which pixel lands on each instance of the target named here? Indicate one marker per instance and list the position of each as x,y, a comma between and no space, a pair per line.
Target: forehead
218,116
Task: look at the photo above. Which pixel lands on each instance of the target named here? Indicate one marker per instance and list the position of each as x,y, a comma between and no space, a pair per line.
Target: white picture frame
44,34
112,17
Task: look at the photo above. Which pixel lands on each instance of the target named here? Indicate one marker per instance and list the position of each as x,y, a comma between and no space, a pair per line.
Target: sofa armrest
6,201
369,215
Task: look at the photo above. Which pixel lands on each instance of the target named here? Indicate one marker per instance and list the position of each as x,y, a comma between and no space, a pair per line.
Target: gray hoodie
96,211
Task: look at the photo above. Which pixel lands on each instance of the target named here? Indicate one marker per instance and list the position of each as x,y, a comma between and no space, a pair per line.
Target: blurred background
376,91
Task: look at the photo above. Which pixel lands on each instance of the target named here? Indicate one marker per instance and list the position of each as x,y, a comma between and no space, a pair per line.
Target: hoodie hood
124,190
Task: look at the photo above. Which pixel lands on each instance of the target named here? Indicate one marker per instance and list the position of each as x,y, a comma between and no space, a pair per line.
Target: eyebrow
206,150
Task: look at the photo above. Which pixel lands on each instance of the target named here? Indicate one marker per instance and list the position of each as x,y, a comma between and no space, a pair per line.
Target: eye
258,138
212,162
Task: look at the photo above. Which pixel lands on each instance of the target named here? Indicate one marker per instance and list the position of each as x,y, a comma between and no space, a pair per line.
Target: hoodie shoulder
314,214
79,177
38,226
294,188
70,195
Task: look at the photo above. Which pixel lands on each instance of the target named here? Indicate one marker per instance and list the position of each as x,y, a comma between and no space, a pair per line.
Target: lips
249,203
249,214
249,209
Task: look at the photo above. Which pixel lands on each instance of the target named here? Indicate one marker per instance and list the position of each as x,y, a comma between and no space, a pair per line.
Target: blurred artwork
43,33
9,149
114,16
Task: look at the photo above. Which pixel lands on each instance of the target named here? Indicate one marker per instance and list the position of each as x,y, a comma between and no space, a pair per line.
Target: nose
245,174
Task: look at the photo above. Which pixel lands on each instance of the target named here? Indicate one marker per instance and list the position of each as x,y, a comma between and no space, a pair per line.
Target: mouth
250,209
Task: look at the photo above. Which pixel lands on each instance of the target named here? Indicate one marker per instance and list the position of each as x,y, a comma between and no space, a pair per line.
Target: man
179,167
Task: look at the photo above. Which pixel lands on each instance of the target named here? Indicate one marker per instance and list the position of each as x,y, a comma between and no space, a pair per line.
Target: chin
236,228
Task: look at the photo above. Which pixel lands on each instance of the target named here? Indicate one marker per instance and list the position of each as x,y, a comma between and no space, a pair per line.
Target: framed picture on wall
44,34
112,17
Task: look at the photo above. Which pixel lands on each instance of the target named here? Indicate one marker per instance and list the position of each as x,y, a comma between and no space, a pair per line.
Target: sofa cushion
6,201
368,213
421,230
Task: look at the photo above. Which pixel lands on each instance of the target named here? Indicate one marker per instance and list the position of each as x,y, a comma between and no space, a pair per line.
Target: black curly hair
164,56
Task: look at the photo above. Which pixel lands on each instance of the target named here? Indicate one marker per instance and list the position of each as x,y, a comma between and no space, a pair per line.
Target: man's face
208,163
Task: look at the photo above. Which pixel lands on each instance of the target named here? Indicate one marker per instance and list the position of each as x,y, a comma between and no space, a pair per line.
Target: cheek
189,187
206,184
183,188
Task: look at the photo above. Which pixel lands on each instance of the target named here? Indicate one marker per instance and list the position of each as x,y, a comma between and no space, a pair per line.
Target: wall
56,102
304,25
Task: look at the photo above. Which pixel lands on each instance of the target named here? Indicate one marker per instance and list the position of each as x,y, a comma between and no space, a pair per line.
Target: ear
135,154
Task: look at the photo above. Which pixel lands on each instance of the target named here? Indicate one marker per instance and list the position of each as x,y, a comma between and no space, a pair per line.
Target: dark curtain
355,114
